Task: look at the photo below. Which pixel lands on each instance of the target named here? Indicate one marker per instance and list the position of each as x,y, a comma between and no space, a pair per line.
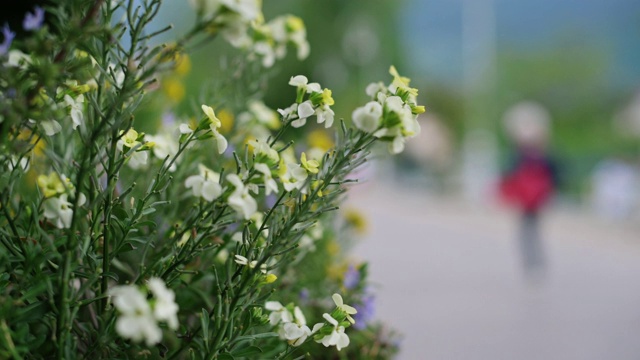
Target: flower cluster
58,193
270,39
311,100
99,220
294,329
135,148
242,24
139,316
392,115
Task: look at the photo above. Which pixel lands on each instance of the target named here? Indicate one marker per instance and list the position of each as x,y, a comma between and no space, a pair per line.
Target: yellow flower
402,83
320,139
310,165
417,109
270,278
183,63
215,122
173,88
336,271
294,23
51,185
315,185
326,97
356,220
333,249
226,118
130,139
396,76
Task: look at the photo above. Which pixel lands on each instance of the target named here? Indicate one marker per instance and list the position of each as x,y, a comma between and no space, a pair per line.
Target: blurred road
448,276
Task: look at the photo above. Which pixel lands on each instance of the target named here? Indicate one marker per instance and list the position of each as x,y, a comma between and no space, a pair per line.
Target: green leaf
249,351
112,275
256,336
226,356
204,320
148,211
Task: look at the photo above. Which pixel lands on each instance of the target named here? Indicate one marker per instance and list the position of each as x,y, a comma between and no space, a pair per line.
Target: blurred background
463,269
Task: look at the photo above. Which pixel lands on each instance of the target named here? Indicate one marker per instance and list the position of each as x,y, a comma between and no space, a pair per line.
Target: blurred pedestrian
531,179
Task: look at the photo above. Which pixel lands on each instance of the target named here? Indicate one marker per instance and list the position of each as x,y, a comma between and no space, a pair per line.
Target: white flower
205,185
266,51
118,74
165,307
136,321
349,310
397,145
59,210
50,127
303,46
304,111
215,124
19,59
367,118
138,160
301,82
240,200
164,146
295,333
241,260
278,314
337,337
221,141
270,185
263,148
185,129
293,176
298,81
263,114
394,103
237,237
325,115
290,112
374,88
76,106
248,9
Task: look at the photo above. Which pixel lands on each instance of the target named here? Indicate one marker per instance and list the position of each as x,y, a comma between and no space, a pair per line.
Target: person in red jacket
531,180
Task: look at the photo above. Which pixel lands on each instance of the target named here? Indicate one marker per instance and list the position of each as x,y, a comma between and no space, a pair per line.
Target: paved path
449,278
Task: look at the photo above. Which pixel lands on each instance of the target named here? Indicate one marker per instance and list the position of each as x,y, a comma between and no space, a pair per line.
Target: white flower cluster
270,39
57,206
138,316
241,23
311,100
69,97
205,185
135,148
392,115
258,121
294,329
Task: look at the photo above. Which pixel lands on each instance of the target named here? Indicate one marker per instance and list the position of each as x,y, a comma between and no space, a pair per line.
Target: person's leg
530,243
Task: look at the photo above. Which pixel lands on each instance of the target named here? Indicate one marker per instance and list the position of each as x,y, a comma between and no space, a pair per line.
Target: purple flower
304,294
366,312
8,38
229,151
168,119
351,278
33,21
270,200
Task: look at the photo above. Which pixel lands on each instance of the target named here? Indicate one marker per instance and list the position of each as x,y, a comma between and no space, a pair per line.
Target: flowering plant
186,242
